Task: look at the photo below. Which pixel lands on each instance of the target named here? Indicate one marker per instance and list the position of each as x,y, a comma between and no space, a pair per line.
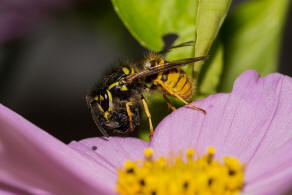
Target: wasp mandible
116,102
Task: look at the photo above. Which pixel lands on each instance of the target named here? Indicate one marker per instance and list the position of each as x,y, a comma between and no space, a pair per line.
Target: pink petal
111,152
274,172
252,123
33,161
114,151
182,129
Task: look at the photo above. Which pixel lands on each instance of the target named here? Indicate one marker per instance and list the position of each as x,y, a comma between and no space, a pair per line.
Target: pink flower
253,124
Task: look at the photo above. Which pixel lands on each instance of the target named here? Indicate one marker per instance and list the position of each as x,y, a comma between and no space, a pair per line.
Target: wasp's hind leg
148,116
172,107
129,112
180,98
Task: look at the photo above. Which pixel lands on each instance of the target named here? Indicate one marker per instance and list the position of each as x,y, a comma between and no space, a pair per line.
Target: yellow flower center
182,174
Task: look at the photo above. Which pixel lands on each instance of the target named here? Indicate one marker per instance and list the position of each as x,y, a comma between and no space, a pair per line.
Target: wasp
116,102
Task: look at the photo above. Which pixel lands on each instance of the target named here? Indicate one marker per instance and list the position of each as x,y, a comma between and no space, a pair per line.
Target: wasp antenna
196,59
201,57
204,57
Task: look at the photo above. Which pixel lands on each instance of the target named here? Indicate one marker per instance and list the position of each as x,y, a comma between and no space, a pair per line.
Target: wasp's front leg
130,114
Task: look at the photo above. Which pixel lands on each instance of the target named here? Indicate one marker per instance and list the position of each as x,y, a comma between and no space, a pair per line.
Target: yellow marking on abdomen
178,83
186,89
173,76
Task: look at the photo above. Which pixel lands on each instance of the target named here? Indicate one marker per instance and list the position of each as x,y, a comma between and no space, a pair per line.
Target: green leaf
212,71
252,36
149,20
210,16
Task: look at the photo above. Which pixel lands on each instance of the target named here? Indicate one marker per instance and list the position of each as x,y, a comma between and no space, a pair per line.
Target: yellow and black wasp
116,103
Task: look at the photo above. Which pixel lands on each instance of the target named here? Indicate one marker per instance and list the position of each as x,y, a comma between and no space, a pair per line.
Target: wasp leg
148,116
169,103
180,98
93,110
128,104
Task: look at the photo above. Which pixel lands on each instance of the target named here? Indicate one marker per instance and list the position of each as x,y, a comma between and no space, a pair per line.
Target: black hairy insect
116,103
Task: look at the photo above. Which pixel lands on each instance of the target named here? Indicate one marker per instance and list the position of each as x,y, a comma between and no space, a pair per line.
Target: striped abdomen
176,82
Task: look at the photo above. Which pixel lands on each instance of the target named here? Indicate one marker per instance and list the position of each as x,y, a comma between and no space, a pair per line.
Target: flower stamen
201,175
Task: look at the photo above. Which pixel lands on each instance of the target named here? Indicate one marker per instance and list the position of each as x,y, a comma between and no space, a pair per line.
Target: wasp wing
162,68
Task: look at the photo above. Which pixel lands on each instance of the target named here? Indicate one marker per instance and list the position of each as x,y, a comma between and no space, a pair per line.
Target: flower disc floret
181,175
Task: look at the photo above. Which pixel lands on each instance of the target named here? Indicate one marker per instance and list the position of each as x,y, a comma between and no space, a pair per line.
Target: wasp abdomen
177,82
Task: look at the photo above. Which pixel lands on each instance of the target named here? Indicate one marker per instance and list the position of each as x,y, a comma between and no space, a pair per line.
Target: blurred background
53,52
